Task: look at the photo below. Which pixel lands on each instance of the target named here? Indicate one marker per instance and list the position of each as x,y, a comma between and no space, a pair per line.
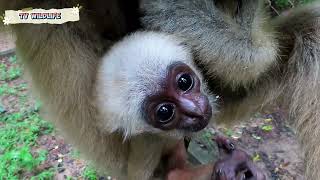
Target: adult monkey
252,60
134,87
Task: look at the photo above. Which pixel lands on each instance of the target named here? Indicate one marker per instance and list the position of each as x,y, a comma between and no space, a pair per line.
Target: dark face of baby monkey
179,104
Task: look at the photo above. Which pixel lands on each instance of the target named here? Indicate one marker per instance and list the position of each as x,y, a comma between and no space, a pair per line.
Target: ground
270,142
30,148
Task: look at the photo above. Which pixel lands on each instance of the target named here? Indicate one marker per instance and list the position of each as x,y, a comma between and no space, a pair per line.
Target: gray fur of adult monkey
252,60
249,46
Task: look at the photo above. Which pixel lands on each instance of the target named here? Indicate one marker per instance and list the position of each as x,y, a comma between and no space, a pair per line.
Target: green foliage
207,135
285,4
69,178
5,89
306,1
16,138
267,128
256,157
14,161
13,73
90,173
44,175
282,3
10,72
3,71
20,129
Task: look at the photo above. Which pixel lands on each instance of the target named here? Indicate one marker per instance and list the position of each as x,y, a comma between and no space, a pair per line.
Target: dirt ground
272,144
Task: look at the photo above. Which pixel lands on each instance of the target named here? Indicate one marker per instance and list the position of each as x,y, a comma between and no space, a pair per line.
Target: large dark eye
165,113
185,82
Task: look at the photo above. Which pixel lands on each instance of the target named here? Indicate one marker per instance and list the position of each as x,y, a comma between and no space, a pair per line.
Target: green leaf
90,173
267,128
256,157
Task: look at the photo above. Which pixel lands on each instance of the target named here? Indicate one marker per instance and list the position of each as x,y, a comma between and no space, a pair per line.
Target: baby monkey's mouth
202,123
197,122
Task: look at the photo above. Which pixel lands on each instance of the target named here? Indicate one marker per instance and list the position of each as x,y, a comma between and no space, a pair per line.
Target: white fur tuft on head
131,70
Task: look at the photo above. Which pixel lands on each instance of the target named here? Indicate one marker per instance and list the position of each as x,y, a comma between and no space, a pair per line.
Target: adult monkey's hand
235,163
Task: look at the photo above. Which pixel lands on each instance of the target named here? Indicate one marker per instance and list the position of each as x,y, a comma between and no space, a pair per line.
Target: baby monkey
149,89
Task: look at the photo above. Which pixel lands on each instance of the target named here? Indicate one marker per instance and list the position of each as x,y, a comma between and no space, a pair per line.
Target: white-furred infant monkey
149,89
